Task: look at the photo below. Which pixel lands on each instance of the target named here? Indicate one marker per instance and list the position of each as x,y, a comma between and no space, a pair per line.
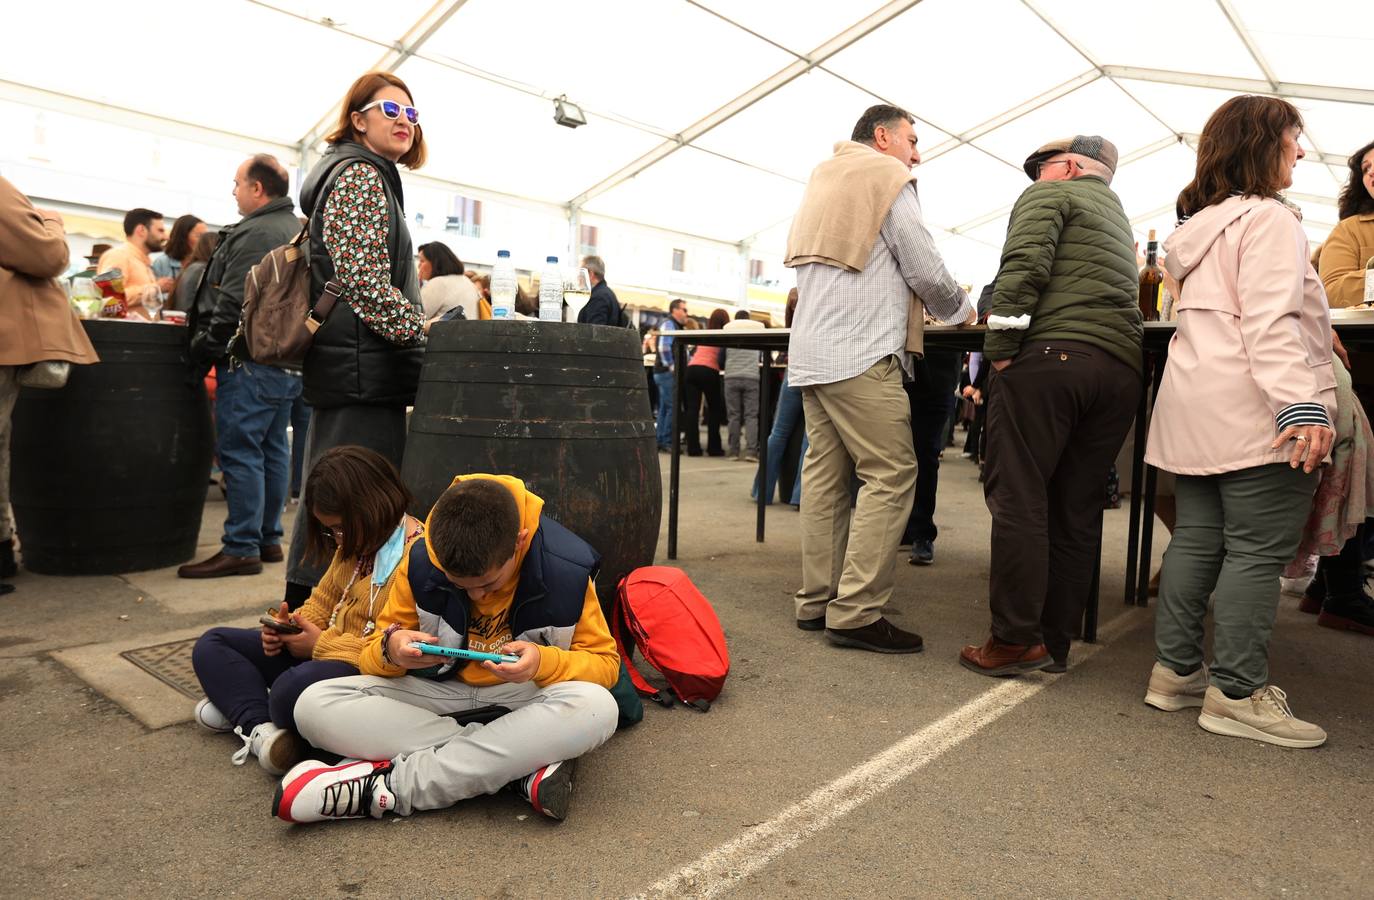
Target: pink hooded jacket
1252,354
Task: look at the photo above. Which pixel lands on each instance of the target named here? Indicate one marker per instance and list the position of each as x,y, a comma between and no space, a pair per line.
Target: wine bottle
1151,280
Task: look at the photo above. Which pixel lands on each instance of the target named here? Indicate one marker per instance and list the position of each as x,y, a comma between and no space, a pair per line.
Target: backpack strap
323,306
619,626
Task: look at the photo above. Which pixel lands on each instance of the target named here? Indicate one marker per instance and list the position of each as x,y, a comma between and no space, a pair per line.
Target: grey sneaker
209,717
1171,691
277,749
1263,716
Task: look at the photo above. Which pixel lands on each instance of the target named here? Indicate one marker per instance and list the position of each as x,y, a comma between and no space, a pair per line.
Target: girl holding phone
354,513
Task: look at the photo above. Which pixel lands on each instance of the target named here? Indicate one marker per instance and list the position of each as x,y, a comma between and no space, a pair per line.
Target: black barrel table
109,473
563,407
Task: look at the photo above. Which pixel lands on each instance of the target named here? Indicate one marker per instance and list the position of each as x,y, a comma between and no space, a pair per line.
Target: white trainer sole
1172,702
1233,728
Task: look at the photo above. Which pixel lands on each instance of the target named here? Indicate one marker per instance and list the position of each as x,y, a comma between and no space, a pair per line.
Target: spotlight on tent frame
567,113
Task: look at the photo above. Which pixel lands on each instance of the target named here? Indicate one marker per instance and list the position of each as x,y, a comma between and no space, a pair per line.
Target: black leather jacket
213,317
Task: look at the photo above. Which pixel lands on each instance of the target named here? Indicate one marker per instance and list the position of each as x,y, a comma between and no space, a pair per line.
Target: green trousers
1235,533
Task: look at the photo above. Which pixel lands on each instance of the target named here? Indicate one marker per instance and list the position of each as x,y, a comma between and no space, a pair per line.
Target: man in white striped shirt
861,250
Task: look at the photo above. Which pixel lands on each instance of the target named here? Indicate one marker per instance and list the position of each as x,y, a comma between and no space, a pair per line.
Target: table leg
1137,477
1147,523
675,466
760,439
1090,611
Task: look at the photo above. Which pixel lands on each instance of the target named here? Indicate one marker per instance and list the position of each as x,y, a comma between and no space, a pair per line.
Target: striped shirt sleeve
1302,414
922,267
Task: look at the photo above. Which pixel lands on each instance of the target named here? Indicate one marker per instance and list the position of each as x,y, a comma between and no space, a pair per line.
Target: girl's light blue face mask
389,557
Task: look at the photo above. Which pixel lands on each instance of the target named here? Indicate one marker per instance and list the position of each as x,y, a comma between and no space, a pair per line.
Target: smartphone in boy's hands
460,653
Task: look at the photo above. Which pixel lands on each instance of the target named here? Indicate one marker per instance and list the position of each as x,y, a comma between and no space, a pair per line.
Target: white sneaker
209,717
277,749
316,792
1263,716
1171,691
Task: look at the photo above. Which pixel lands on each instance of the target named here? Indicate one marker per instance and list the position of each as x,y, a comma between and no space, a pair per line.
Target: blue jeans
787,419
667,396
252,407
237,676
932,399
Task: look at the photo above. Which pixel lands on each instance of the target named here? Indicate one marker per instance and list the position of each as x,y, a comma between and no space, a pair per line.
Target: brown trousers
1056,418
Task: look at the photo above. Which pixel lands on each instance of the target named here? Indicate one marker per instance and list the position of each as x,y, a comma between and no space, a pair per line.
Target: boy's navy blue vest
547,606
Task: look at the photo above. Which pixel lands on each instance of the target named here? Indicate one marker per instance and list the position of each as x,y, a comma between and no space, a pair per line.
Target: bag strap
619,625
323,306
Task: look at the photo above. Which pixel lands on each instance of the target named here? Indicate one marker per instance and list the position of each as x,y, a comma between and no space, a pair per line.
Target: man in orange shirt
144,234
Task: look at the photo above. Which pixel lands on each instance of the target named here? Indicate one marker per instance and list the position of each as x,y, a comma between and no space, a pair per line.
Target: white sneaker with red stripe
549,788
317,792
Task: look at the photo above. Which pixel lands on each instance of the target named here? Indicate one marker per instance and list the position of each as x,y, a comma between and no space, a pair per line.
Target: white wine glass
577,290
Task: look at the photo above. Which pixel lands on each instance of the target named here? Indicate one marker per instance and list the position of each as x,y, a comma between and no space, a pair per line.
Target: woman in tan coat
1350,245
1243,418
36,322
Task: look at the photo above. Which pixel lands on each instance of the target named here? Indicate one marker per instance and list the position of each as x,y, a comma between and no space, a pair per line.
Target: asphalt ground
820,772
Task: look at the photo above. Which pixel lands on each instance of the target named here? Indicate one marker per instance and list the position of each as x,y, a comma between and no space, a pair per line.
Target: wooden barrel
563,407
109,473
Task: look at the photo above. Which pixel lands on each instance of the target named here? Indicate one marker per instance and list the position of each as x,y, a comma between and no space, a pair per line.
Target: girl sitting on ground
355,510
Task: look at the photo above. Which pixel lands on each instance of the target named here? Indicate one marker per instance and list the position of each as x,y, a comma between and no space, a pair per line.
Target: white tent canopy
704,116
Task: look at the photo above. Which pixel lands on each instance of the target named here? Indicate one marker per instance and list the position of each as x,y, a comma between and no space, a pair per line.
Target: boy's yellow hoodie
591,655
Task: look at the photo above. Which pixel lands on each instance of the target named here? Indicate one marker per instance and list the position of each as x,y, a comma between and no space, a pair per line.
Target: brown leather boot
271,553
220,565
998,658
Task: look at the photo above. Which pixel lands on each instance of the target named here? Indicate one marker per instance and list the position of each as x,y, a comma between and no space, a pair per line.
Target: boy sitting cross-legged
489,575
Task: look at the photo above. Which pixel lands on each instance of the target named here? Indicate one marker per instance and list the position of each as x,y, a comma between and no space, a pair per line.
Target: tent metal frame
412,46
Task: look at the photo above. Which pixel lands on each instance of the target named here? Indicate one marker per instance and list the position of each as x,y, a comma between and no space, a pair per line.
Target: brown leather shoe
999,659
221,564
271,553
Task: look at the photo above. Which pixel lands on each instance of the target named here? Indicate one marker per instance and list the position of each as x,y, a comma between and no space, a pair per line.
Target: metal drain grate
170,664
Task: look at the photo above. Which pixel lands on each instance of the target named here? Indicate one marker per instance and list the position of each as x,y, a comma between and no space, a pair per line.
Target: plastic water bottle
503,287
551,292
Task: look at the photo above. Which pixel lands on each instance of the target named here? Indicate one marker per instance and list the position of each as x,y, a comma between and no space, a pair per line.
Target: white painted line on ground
722,868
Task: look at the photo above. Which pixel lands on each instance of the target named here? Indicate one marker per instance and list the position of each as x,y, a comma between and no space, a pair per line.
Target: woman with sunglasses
364,365
356,520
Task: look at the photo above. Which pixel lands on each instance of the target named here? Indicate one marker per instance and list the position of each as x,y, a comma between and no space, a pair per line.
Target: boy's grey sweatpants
436,761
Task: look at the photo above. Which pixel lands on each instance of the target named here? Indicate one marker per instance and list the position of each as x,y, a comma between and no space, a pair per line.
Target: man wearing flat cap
1064,342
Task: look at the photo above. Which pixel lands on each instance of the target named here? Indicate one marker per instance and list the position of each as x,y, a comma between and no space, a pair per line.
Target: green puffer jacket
1068,262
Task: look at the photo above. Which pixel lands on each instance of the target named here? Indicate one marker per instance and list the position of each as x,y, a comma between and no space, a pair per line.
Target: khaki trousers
858,426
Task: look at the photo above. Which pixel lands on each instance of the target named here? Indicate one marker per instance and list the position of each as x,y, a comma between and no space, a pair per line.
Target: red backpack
661,612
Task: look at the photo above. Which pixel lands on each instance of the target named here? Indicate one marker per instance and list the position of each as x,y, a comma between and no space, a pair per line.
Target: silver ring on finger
1301,437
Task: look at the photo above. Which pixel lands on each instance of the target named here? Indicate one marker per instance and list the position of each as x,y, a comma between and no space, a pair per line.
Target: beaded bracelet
386,642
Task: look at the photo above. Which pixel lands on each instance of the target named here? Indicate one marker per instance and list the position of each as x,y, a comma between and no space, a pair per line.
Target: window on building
587,240
464,216
679,260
